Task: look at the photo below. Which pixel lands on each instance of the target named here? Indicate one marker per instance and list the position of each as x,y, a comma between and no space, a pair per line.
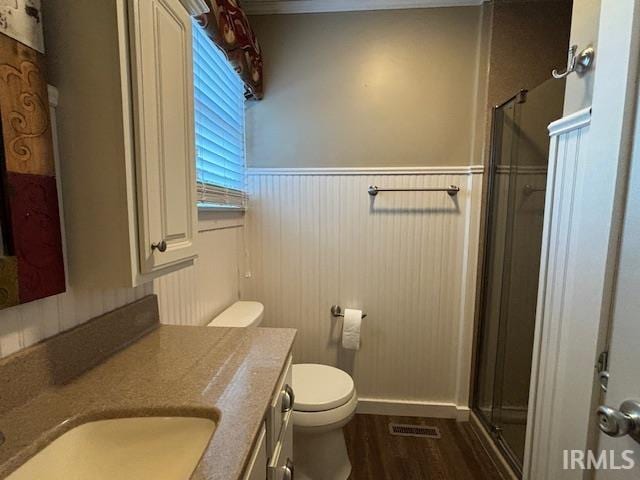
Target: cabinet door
281,405
281,465
162,90
257,467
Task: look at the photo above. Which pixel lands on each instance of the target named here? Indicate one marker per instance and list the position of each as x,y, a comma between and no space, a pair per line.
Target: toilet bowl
325,401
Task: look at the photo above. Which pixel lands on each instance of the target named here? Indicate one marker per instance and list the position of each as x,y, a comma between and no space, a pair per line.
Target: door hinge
603,361
603,367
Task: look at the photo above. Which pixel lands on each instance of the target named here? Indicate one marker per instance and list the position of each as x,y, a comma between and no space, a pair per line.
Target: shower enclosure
517,179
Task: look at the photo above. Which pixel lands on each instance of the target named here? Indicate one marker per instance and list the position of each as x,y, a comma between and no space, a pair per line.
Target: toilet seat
320,387
325,396
330,419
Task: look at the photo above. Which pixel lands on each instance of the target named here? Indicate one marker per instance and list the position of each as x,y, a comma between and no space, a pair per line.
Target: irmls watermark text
598,460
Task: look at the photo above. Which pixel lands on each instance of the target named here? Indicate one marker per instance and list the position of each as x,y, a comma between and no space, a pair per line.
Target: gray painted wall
584,32
363,89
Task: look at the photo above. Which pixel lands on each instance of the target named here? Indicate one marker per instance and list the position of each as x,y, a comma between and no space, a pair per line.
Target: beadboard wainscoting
408,259
567,321
24,325
196,294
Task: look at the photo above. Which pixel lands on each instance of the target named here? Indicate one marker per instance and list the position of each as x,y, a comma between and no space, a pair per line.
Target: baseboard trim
412,408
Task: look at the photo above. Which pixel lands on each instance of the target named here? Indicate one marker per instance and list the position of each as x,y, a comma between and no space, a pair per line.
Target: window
219,124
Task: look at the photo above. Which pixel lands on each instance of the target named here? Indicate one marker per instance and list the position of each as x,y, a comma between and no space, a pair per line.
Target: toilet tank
240,314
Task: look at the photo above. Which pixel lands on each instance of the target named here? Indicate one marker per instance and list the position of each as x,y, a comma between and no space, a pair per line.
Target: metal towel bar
452,190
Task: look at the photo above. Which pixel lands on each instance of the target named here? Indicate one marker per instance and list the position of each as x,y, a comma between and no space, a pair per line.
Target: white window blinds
219,123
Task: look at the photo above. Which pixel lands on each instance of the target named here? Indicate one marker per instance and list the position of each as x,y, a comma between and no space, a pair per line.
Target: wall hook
576,63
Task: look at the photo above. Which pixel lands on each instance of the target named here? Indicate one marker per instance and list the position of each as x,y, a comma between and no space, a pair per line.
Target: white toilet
325,400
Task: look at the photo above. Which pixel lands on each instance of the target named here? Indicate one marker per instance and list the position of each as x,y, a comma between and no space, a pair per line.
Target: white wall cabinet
163,89
124,69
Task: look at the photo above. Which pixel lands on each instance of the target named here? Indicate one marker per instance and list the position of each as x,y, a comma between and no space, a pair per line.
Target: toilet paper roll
351,329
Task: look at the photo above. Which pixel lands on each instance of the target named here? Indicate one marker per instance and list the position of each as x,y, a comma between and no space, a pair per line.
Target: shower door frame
487,423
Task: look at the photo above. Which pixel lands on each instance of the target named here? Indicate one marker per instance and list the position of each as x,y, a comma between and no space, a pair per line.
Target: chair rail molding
433,170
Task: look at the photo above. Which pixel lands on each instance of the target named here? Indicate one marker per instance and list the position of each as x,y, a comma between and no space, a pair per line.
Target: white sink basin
159,448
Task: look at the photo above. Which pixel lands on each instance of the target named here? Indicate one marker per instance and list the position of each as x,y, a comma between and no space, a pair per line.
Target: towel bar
452,190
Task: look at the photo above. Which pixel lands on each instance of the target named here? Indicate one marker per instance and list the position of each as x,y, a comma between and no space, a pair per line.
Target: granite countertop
227,374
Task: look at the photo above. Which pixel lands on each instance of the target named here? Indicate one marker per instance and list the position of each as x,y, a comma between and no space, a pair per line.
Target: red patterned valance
228,27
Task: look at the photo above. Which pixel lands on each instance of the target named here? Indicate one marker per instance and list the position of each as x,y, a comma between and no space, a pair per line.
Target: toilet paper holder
336,311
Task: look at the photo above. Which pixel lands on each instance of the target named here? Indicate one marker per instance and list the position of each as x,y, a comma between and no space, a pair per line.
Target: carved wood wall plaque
24,102
31,265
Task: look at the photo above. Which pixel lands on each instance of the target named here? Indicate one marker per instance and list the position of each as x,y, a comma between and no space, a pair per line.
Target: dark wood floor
377,455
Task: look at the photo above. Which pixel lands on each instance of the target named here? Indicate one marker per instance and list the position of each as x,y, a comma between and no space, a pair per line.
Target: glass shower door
514,237
504,142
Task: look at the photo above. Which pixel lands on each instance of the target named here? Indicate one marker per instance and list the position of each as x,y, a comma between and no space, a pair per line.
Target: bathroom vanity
124,365
272,456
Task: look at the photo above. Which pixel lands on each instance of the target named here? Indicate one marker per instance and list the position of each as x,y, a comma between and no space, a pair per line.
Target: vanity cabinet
276,437
124,70
257,467
281,466
280,427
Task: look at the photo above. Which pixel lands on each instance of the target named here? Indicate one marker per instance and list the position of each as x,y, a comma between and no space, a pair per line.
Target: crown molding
270,7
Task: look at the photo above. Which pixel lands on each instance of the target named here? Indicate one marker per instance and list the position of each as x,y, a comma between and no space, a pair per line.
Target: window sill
216,218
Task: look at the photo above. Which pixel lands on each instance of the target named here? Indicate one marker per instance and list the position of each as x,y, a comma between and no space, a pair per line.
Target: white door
622,453
579,266
163,102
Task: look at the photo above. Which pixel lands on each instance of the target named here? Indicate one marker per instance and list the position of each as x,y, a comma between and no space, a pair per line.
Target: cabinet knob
161,246
288,397
288,470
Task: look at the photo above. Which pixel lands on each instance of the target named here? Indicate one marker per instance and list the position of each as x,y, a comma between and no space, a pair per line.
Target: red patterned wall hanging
31,261
228,27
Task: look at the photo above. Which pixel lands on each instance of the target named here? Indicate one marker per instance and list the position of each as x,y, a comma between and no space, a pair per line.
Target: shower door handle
620,422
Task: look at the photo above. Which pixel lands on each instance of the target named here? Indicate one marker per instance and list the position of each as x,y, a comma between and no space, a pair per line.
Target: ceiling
262,7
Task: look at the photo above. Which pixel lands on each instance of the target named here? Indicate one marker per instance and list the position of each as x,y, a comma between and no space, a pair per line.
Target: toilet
325,401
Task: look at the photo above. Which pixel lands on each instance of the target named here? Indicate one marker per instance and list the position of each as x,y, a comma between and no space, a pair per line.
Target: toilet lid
320,387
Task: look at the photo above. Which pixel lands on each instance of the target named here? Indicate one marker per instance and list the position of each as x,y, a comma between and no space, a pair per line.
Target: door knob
161,246
620,422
